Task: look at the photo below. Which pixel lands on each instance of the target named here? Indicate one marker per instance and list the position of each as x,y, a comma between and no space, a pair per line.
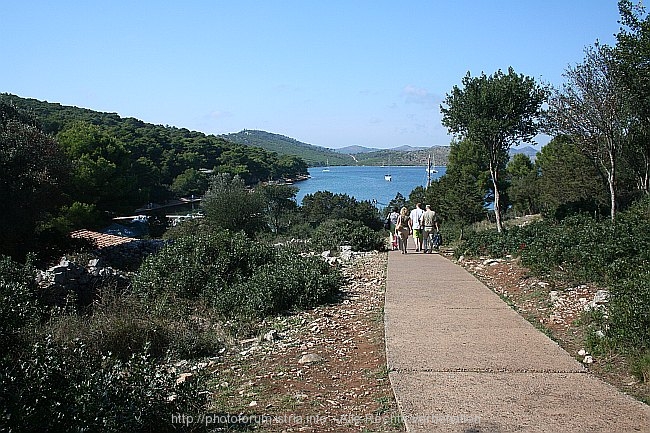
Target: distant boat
388,177
327,165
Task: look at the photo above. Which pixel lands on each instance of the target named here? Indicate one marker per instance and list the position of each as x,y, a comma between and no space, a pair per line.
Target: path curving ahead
461,360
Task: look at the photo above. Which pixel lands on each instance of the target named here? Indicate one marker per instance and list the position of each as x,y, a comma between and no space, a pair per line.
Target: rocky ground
322,370
560,310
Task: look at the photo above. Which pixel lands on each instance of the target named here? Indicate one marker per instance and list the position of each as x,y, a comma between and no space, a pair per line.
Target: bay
366,182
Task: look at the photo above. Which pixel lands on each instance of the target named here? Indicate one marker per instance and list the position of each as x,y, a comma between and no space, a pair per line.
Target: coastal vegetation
120,357
118,350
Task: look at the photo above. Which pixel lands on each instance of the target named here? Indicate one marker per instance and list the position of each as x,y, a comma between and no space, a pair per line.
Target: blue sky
332,73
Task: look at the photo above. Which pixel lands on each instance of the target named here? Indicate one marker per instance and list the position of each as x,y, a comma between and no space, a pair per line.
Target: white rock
588,360
310,358
601,297
183,377
271,336
582,352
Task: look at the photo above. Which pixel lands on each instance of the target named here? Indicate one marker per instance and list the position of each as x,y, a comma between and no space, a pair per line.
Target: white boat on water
388,177
327,166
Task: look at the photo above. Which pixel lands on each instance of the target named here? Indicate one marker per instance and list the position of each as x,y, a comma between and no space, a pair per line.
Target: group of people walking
422,224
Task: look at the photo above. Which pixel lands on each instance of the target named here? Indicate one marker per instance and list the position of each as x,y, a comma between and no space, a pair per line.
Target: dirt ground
322,370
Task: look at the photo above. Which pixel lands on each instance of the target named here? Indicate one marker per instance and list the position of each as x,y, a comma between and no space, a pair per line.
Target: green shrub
70,388
236,276
333,233
629,312
191,264
20,309
641,367
365,239
289,281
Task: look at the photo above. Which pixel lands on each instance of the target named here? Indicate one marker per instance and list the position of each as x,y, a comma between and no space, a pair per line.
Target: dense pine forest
127,162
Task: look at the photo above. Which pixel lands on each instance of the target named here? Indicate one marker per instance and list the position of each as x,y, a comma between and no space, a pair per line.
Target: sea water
366,182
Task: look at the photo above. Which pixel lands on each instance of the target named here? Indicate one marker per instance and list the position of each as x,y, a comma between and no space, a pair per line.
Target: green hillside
312,155
319,156
121,163
439,156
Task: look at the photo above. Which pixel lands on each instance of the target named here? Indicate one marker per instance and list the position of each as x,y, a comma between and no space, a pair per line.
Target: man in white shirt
416,216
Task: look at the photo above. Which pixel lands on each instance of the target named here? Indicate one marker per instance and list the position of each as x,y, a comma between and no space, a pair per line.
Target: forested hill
318,156
313,155
121,162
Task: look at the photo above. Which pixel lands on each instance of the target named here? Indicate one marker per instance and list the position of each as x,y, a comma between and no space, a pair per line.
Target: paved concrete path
461,360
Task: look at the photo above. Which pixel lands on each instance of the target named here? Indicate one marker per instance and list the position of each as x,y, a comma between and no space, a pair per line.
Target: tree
591,109
190,182
103,172
398,202
33,175
324,205
523,187
496,112
632,53
568,181
228,204
279,205
460,194
457,198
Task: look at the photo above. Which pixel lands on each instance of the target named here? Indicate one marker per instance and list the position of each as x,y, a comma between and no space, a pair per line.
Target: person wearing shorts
429,223
416,216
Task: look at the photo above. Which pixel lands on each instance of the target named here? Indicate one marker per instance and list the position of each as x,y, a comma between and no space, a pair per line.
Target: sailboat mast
429,171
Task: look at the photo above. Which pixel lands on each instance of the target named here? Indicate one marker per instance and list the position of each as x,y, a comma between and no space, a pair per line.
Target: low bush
641,367
20,309
288,282
333,233
191,264
56,387
629,312
237,277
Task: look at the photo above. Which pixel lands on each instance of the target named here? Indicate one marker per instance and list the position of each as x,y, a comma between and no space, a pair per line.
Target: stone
310,358
601,297
183,377
588,360
271,336
582,352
